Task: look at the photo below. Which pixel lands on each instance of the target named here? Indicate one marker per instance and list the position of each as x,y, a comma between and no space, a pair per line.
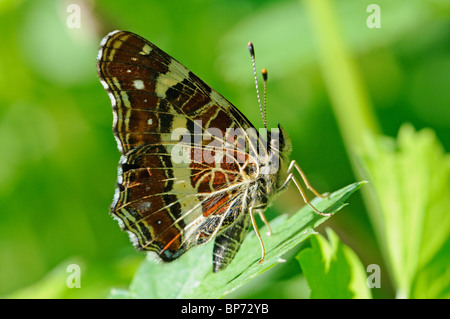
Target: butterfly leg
291,176
293,165
252,216
263,218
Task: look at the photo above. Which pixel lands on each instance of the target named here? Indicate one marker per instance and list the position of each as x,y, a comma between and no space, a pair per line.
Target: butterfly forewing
172,191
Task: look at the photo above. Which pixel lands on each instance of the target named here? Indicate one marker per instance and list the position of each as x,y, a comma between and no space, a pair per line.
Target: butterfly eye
251,170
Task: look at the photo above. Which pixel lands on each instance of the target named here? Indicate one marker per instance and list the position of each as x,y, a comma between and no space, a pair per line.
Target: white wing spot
150,121
145,50
138,84
105,85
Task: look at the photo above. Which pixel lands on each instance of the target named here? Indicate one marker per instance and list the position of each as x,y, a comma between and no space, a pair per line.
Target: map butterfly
192,166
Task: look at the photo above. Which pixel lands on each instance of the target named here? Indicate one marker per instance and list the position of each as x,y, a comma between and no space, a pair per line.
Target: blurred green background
332,80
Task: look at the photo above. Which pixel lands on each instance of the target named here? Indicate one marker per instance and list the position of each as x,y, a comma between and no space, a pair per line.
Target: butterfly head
285,142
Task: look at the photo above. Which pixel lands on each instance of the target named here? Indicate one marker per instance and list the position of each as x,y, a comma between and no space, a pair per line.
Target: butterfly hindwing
227,243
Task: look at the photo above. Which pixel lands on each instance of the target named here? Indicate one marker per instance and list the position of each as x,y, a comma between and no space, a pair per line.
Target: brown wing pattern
166,204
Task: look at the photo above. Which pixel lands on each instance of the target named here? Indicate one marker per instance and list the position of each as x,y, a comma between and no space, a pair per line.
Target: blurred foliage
333,270
58,160
411,181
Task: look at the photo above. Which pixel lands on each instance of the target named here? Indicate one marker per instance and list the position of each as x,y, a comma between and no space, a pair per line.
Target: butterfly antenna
252,54
264,74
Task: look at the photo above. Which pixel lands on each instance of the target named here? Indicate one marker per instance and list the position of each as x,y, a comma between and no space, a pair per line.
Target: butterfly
193,168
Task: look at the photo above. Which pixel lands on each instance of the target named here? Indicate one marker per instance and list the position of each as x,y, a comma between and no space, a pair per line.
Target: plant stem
349,99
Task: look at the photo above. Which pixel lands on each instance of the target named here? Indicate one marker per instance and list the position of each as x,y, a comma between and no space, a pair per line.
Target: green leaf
332,269
191,275
433,280
410,177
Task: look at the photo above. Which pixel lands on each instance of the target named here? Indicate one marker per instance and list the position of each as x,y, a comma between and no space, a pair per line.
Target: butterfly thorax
272,169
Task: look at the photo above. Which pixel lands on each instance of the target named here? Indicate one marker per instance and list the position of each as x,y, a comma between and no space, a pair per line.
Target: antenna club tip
251,48
264,74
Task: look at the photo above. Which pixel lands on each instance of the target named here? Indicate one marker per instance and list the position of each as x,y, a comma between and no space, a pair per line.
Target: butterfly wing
172,193
228,242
